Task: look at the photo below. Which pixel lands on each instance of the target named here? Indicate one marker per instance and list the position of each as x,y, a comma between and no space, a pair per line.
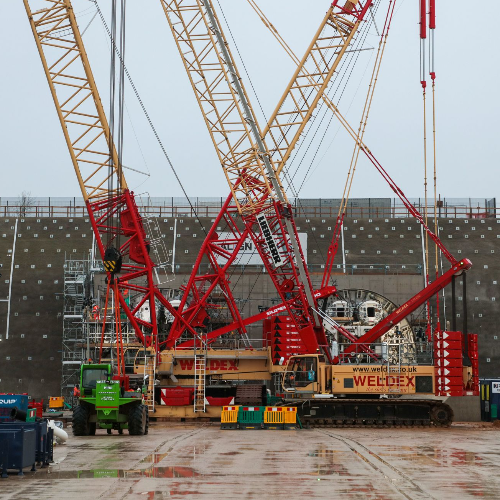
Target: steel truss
113,212
251,168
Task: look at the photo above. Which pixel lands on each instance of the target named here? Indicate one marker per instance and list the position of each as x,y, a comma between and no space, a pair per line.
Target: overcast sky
35,156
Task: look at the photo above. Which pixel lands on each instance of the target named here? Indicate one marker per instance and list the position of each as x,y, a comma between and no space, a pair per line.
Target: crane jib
271,244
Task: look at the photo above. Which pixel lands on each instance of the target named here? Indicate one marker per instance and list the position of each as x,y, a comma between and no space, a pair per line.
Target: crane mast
248,163
116,222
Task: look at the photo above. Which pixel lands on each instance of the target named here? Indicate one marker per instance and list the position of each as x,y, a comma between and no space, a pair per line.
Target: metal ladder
394,369
200,372
150,370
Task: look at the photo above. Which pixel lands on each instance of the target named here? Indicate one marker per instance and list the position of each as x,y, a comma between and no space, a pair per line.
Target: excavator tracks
374,413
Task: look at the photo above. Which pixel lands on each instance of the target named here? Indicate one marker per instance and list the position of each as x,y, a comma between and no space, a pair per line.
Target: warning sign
495,387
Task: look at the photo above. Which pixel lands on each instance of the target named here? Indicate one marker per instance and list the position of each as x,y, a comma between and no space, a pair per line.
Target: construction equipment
260,201
107,402
119,231
252,165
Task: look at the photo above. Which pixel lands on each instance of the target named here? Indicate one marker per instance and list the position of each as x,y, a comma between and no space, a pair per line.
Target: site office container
490,399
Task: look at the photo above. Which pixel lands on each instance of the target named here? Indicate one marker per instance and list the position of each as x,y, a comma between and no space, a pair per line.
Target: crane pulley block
112,260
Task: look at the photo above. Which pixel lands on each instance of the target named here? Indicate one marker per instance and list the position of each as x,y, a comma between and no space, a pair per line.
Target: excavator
193,378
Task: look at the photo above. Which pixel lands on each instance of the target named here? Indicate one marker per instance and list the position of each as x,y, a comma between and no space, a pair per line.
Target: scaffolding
77,279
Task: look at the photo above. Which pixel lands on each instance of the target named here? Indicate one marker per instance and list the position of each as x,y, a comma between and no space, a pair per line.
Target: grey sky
35,157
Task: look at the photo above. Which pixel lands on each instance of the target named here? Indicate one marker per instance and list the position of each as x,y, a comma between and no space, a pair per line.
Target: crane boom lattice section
227,120
312,77
76,97
244,156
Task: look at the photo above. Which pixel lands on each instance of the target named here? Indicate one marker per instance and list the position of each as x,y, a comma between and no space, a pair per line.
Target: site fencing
461,208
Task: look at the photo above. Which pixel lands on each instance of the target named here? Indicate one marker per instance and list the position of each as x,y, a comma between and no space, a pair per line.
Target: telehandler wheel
81,424
147,419
137,420
92,428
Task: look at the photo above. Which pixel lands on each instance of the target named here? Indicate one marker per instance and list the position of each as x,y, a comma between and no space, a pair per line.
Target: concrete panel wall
30,359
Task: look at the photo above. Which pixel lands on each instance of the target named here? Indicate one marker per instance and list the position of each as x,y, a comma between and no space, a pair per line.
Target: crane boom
243,153
111,205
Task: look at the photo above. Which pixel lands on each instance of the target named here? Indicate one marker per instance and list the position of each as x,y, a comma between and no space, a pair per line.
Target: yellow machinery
56,403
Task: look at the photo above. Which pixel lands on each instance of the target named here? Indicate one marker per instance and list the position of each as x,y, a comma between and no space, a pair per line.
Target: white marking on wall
10,281
173,246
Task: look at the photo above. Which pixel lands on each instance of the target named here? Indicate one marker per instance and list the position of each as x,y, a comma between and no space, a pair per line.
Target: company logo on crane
273,248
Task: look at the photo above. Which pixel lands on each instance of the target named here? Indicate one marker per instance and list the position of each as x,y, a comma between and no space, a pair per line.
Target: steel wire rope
346,60
148,173
355,59
360,42
351,63
269,25
146,114
310,128
112,90
242,61
359,138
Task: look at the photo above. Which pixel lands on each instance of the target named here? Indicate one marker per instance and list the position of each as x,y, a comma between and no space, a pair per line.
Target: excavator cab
301,374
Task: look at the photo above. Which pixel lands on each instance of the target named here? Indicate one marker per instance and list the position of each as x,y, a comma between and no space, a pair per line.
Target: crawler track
354,413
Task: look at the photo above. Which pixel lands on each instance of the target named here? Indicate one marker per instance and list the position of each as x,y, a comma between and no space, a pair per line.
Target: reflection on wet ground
176,461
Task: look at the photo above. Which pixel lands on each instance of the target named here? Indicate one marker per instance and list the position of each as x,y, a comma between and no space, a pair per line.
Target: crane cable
366,110
326,98
332,251
432,73
423,82
146,114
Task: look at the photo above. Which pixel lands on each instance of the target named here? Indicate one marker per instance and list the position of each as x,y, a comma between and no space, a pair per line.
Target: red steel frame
104,215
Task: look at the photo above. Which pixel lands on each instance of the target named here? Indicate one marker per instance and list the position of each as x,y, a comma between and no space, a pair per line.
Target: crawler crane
252,158
253,177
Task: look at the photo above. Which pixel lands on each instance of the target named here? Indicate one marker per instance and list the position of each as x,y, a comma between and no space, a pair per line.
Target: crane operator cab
301,374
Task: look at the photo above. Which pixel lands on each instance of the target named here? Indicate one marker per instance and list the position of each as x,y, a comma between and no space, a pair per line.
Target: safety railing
388,353
376,208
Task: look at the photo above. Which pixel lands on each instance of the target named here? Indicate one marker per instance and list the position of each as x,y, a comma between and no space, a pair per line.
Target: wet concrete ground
200,461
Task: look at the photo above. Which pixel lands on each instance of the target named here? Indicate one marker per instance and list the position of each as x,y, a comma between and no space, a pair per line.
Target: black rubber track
439,414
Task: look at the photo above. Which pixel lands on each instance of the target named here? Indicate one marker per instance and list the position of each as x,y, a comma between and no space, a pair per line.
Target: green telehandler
109,403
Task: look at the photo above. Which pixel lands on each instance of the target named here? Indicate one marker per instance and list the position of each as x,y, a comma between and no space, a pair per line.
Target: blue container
18,449
44,452
9,401
490,399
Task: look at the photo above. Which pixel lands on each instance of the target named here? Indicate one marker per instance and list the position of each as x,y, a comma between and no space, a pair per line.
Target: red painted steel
407,308
118,218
